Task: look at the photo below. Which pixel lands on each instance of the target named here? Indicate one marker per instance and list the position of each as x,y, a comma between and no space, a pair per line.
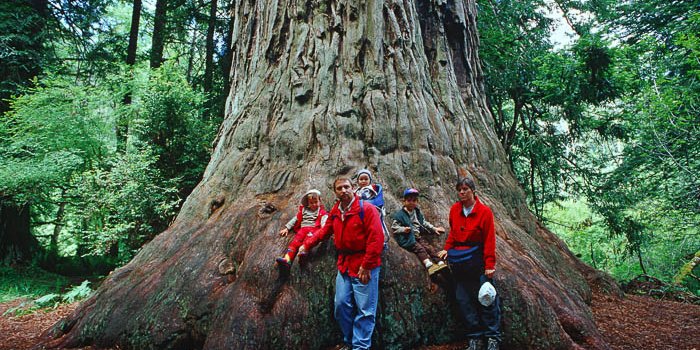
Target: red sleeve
449,242
321,233
489,241
375,238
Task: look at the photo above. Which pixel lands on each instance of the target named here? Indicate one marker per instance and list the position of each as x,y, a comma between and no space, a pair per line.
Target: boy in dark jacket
408,224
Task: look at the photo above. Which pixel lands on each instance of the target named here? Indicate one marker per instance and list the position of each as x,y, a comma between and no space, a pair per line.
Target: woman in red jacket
470,250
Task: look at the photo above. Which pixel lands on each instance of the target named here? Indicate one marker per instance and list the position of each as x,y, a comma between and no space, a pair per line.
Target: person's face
410,202
466,195
343,190
363,180
313,203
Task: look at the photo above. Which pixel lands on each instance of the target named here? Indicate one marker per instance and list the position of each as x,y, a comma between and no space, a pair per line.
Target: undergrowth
39,289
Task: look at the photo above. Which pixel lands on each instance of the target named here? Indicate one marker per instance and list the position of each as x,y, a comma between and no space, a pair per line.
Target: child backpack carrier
381,218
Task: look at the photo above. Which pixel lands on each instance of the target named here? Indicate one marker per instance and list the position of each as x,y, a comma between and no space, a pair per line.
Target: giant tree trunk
319,89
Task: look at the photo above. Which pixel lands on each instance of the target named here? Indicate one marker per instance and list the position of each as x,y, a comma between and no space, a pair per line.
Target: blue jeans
356,308
479,320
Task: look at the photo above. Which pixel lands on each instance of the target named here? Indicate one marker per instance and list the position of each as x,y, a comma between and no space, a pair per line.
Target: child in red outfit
310,217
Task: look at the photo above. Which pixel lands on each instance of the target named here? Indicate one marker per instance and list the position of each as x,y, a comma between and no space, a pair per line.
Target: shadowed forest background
109,112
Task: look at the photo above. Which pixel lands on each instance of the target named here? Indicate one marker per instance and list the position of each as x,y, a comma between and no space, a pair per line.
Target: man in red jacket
470,250
359,241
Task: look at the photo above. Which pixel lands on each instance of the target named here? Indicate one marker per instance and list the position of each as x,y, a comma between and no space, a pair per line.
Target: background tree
22,52
318,90
160,19
122,128
80,67
583,120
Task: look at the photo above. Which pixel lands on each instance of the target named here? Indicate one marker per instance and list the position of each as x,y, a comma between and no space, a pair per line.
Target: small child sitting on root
310,217
408,224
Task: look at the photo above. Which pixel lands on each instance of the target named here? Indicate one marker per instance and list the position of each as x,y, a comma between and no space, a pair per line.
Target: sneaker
283,264
433,269
342,347
473,344
492,344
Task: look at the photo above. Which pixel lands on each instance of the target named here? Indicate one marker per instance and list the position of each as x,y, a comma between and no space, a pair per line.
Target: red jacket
300,215
358,242
477,227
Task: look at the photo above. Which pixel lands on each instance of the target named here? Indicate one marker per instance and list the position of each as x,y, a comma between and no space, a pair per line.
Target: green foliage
58,149
169,119
655,186
52,300
22,37
64,83
51,132
664,252
612,118
28,282
78,292
48,300
544,100
121,206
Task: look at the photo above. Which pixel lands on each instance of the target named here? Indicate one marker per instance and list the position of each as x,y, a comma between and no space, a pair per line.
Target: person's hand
302,249
442,254
284,232
407,230
489,273
363,275
439,230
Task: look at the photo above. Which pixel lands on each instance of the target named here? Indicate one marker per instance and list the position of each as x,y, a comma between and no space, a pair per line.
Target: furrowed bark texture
321,88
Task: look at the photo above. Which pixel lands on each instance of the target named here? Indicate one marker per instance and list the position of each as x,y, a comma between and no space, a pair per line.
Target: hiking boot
434,268
474,344
492,344
302,257
283,264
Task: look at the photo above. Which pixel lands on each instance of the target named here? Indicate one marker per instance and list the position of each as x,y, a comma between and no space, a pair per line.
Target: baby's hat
305,197
364,171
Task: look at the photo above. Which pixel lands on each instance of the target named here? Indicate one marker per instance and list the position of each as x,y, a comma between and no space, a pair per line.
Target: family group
357,223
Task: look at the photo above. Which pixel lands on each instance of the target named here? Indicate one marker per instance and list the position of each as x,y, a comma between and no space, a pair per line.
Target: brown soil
636,322
22,332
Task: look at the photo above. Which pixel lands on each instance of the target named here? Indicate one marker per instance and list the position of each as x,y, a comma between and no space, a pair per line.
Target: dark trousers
479,320
424,250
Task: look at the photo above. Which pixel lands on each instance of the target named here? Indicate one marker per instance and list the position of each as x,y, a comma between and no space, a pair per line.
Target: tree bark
58,224
320,89
158,37
209,46
122,120
134,33
228,56
190,57
209,62
17,244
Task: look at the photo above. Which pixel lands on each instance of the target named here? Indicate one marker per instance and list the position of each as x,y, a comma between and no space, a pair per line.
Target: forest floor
635,322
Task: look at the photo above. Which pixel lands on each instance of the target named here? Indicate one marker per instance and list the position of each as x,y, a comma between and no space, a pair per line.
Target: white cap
305,198
487,294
